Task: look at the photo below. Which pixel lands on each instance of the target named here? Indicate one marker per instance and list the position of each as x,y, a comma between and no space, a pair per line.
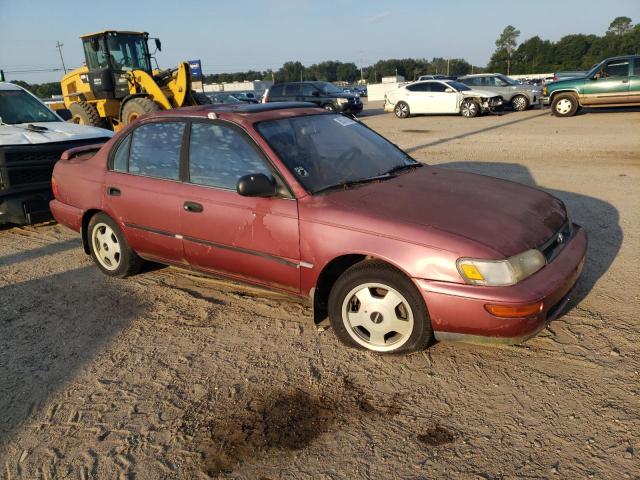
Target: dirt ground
171,375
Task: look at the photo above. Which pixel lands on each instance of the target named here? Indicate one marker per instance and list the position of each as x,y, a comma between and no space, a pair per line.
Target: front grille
556,243
24,165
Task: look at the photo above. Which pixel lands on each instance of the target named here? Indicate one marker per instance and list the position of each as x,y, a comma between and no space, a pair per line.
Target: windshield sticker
344,121
301,171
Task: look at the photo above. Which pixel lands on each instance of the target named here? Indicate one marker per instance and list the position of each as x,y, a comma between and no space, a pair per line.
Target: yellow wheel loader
118,84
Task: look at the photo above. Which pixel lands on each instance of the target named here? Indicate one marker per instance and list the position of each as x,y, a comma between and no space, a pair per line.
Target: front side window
220,155
328,88
328,150
128,52
308,89
292,90
17,106
438,87
616,68
155,150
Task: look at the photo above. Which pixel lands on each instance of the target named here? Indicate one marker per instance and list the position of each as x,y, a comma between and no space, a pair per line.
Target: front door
441,101
609,86
634,82
251,238
142,190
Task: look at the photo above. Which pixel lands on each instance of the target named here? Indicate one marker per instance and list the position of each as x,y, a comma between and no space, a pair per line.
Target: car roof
481,75
9,86
240,112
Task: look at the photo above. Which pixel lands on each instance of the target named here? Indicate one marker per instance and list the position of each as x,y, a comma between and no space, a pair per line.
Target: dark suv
323,94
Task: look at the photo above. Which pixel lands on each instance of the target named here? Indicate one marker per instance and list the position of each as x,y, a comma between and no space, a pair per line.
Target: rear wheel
137,107
469,108
374,306
83,113
109,248
200,98
401,110
564,105
519,103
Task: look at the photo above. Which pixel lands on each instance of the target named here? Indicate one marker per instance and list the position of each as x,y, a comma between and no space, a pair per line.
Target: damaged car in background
32,138
440,97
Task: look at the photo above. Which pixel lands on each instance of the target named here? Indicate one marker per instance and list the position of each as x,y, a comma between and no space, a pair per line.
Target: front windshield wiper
399,168
351,183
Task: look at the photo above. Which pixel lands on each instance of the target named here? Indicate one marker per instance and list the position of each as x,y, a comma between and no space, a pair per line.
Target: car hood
568,82
340,95
478,93
22,134
505,216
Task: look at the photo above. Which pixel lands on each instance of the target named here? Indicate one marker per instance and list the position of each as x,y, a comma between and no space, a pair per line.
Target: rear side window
121,158
293,90
220,155
276,91
155,150
474,82
419,87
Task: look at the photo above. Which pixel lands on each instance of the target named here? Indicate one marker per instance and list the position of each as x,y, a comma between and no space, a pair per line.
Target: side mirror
448,90
158,44
256,185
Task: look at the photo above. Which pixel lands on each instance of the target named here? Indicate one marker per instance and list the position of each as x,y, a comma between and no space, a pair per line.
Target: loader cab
109,56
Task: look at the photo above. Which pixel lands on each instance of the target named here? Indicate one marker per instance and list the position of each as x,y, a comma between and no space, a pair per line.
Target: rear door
610,85
417,96
142,189
251,238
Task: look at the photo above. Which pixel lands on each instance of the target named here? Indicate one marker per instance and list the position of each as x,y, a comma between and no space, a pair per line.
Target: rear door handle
113,191
193,207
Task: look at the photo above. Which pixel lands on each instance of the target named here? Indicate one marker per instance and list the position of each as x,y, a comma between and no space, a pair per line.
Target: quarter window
220,155
155,150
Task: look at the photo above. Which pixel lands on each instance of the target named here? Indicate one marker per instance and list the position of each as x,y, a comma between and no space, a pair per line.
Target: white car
440,96
32,138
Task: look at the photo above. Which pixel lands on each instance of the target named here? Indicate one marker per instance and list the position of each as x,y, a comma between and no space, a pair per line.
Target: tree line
571,52
534,55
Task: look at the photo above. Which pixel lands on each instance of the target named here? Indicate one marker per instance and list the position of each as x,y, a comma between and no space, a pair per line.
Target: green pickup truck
614,82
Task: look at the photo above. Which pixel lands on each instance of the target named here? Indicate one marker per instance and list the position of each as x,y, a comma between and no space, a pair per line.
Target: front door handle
193,207
113,191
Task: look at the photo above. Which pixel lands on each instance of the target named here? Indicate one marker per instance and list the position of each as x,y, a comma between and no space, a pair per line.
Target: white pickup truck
32,138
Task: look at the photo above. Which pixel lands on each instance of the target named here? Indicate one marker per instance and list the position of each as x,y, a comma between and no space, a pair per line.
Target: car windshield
332,151
327,87
461,87
508,80
17,106
595,69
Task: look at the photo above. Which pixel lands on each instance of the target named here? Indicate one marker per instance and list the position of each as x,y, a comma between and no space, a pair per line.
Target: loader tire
83,113
200,98
137,107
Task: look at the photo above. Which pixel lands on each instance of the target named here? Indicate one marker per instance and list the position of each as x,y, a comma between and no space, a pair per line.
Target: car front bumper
458,311
546,101
24,208
352,108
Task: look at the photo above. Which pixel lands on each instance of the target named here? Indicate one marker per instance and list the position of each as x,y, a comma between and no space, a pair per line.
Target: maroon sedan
291,197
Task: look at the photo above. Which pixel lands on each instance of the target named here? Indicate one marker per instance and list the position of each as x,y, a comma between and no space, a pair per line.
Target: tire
137,107
401,110
200,98
329,107
109,249
564,105
519,103
395,317
469,108
83,113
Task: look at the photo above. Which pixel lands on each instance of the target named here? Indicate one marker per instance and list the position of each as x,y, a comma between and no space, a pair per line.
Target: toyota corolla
394,252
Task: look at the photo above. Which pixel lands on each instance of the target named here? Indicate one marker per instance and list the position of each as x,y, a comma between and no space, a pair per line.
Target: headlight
544,91
343,100
501,272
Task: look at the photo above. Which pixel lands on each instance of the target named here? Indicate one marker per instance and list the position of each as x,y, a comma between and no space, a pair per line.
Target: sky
238,35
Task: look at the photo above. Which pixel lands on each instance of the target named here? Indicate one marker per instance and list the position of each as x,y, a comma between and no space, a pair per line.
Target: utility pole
59,47
448,59
361,64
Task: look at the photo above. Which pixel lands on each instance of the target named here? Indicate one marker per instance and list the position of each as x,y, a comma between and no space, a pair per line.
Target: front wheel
137,107
402,110
109,248
469,108
519,103
564,105
374,306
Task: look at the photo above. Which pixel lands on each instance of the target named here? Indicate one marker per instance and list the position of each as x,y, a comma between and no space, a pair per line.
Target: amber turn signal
514,311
